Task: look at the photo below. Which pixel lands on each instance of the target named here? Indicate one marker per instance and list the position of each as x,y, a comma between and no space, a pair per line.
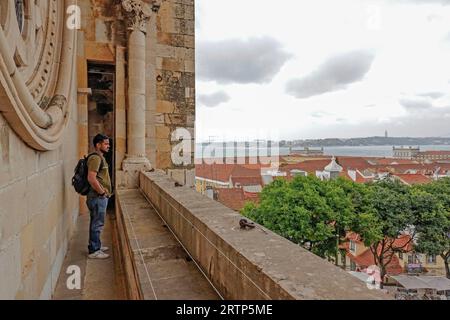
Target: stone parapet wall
246,264
124,253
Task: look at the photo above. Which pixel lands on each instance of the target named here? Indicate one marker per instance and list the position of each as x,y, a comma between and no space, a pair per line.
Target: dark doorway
101,110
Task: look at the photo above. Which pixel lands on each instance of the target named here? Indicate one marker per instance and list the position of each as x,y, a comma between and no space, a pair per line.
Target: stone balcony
174,243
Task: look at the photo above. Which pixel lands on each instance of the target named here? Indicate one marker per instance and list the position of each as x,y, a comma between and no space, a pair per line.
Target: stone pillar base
131,168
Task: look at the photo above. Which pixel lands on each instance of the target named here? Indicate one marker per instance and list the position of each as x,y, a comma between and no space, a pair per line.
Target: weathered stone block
28,249
165,51
189,42
162,132
163,160
163,145
13,211
164,106
174,119
10,270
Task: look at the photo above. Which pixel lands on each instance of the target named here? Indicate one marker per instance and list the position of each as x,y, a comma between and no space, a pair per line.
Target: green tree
318,214
433,225
313,213
440,189
389,216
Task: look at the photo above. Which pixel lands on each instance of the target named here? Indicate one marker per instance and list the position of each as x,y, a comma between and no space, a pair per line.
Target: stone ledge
125,256
255,264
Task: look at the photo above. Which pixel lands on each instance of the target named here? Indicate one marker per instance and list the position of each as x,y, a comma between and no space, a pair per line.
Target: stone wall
170,75
38,209
173,78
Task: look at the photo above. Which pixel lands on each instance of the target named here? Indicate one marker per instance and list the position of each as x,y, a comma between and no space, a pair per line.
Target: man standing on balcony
99,194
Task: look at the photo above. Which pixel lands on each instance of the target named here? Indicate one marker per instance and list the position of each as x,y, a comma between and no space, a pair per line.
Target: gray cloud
334,74
433,123
432,94
434,17
214,99
256,60
317,115
416,103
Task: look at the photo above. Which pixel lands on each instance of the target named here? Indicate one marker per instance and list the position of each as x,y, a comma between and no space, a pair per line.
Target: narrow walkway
165,270
98,281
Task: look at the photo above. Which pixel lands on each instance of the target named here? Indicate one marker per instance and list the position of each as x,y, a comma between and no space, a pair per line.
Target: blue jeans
97,207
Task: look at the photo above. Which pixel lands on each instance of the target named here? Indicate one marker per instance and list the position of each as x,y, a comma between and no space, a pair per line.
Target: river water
216,150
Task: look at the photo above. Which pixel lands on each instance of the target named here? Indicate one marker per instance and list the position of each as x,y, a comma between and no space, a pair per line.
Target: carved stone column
137,13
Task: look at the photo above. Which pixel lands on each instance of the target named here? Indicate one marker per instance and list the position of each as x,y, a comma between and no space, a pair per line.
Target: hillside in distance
368,141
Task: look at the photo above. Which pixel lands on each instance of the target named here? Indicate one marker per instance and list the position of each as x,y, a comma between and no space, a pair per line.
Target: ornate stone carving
138,13
60,102
37,64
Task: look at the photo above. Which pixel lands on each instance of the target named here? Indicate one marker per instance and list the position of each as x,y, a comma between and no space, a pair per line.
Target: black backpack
79,180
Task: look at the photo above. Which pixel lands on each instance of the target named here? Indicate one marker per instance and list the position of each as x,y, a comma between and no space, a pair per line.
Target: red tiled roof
366,259
403,243
235,198
223,172
353,163
440,152
261,161
310,166
388,161
413,178
247,181
246,171
403,168
360,178
216,172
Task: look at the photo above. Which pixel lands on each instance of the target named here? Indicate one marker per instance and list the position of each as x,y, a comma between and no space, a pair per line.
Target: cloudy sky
291,69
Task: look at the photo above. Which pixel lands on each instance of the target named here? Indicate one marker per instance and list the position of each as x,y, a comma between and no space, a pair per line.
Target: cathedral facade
70,69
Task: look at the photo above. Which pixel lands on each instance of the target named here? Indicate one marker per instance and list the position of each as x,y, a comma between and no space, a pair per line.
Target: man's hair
99,139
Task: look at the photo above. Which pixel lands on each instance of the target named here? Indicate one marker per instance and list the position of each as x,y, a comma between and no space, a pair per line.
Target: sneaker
104,249
98,255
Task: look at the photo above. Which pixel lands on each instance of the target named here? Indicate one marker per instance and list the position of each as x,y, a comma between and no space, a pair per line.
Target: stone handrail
246,264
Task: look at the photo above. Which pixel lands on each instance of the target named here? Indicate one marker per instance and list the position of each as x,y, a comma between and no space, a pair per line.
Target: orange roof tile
310,166
388,161
216,172
413,178
366,259
247,181
223,172
437,152
235,198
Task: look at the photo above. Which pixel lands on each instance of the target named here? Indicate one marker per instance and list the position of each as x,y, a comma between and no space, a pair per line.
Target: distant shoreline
352,142
381,151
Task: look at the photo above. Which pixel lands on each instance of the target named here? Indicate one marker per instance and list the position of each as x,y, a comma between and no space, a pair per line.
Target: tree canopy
318,214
